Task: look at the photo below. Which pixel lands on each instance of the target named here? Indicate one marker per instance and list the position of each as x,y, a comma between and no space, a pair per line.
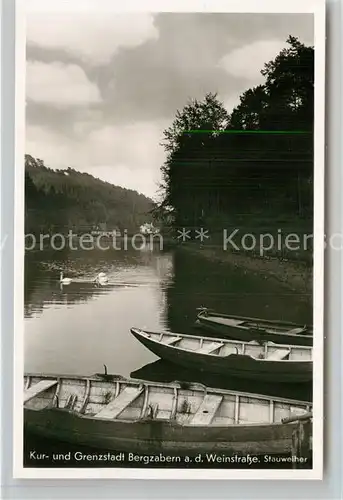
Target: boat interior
267,351
264,326
133,400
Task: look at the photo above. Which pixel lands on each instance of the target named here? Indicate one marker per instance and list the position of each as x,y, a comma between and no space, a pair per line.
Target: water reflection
77,328
226,288
42,271
164,371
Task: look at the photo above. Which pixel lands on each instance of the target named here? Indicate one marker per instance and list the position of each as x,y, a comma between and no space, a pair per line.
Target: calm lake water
78,328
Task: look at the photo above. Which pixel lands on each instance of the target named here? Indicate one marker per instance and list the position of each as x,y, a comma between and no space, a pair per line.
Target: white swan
65,281
101,278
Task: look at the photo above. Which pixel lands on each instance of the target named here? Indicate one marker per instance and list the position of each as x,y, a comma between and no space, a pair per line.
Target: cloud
59,85
93,39
231,101
134,144
128,155
142,67
246,62
145,181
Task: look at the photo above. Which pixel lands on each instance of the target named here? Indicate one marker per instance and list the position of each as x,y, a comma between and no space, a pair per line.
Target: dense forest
63,200
252,167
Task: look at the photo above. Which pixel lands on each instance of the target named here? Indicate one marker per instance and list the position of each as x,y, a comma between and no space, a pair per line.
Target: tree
247,115
257,160
196,116
59,200
186,171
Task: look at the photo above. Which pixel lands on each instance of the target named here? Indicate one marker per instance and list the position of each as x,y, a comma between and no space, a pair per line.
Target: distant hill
60,200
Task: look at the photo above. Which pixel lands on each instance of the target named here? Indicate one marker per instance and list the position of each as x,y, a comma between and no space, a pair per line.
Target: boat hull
236,365
158,436
246,335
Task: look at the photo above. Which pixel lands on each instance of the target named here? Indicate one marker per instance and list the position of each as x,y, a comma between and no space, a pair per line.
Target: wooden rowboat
246,329
253,360
114,413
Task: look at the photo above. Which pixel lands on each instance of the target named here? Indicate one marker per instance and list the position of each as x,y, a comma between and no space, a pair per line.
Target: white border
317,7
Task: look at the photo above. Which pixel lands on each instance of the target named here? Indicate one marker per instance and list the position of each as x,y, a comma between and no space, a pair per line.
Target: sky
101,86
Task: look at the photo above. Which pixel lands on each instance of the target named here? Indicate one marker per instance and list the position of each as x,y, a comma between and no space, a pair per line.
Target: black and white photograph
171,218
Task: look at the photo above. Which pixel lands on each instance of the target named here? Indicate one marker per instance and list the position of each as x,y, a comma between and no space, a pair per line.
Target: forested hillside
253,167
62,200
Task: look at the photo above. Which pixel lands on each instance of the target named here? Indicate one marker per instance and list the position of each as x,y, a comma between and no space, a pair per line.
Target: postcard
169,239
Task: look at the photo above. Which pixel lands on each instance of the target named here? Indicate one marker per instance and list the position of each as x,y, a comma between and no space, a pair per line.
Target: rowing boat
137,416
253,360
246,329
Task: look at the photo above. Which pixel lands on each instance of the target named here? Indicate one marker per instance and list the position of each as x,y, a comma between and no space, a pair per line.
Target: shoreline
294,275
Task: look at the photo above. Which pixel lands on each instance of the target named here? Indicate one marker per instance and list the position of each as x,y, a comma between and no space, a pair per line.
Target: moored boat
253,360
114,413
246,329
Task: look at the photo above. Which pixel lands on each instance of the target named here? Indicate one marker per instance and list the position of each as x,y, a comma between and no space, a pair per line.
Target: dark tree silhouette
254,165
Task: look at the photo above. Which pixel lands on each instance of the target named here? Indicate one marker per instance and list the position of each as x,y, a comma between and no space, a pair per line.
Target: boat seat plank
207,410
278,355
118,404
36,389
296,331
224,321
170,340
207,349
